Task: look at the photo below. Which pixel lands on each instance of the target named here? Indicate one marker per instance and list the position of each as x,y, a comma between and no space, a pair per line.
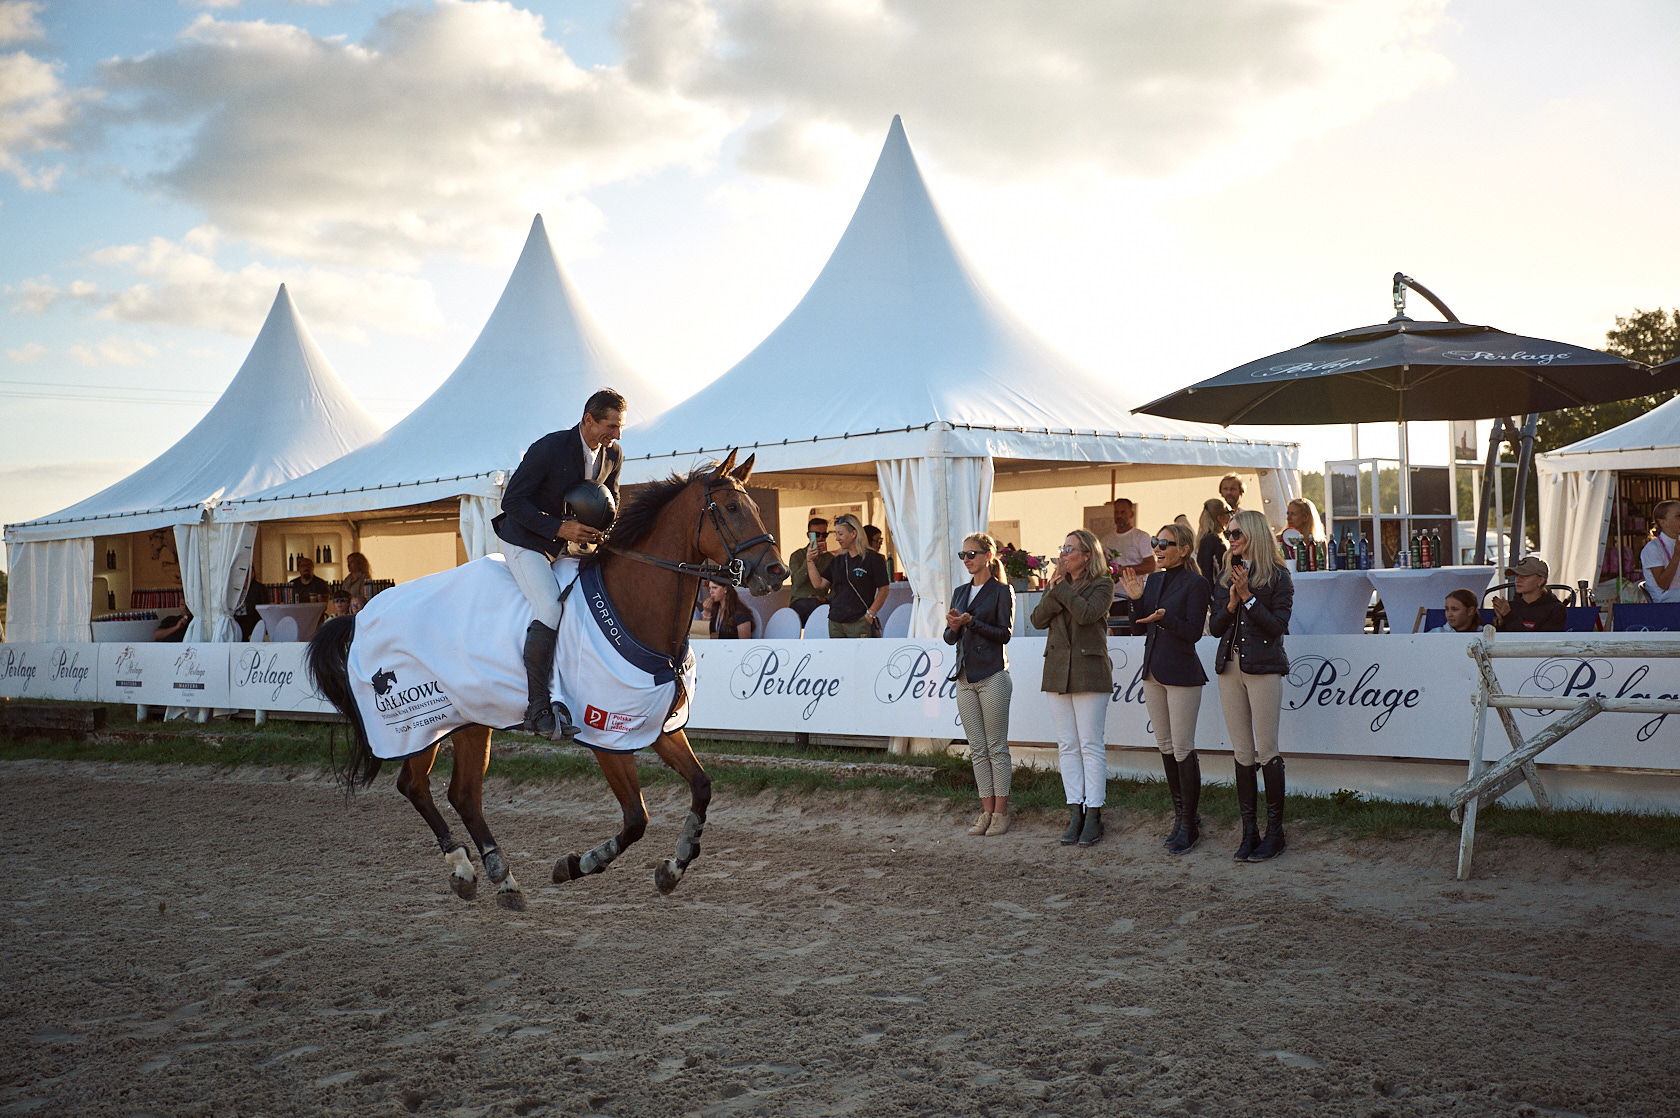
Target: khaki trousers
984,710
1172,712
1252,705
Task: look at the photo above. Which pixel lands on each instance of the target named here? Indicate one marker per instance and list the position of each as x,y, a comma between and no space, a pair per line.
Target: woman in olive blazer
1078,678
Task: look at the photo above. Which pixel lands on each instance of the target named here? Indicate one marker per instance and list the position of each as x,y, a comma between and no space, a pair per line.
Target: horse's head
735,530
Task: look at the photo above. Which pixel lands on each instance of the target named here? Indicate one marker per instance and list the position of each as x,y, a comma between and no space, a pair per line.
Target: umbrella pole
1490,478
1525,459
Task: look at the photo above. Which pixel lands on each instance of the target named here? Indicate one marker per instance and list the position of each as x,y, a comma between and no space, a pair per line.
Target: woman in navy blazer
1172,608
980,622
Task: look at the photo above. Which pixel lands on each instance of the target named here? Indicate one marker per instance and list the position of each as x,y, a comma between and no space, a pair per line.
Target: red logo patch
598,719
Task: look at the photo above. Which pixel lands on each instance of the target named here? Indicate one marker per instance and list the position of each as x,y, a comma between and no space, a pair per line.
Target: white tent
899,361
1578,487
536,361
285,413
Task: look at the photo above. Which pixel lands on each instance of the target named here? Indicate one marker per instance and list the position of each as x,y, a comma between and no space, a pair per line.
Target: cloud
1130,87
27,354
113,350
35,110
18,23
445,128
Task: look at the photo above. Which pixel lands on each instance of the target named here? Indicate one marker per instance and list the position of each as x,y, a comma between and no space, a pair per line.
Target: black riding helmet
591,503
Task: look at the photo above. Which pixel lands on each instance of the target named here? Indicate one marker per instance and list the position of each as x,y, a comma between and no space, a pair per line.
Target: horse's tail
328,662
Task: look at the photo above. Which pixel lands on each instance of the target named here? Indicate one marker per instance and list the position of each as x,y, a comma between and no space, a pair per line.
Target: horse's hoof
511,900
465,888
667,875
566,869
494,866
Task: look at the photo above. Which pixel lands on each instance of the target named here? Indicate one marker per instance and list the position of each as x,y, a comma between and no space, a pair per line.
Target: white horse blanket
447,651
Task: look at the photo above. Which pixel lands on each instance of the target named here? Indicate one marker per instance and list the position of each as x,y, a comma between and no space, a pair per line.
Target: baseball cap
1529,565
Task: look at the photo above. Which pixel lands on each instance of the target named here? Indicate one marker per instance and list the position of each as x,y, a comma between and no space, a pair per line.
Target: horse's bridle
732,573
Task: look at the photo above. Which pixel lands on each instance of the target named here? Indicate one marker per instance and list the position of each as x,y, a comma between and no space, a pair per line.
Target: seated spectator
726,617
1210,536
876,540
1660,559
340,606
308,587
173,629
1462,614
803,596
358,582
1534,609
356,606
1303,524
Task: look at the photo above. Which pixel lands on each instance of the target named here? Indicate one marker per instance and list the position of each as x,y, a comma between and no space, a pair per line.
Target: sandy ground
182,942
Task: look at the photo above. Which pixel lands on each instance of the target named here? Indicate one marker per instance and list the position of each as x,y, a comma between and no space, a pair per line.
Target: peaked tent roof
900,343
1649,442
284,414
536,361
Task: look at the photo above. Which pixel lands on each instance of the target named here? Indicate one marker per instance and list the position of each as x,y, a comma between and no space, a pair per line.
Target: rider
534,531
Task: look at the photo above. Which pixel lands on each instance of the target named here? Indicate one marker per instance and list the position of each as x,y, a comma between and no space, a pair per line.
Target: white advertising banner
271,677
49,671
180,675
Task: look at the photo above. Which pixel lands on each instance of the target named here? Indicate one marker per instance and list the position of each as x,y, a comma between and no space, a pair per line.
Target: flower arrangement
1114,569
1018,564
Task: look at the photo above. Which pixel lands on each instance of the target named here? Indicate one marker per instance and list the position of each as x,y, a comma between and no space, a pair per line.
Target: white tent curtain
215,562
51,592
1574,507
932,503
1277,489
477,534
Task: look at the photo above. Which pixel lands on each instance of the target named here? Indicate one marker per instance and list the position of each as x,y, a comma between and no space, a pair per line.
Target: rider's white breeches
531,570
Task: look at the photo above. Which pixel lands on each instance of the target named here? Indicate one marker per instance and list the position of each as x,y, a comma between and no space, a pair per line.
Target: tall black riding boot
1272,845
1170,764
1076,823
539,665
1248,787
1190,781
1092,832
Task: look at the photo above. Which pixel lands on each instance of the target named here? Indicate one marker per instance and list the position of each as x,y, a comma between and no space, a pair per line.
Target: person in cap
536,527
1660,559
1532,608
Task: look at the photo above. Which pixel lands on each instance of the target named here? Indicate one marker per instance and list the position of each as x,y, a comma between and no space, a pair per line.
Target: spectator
1131,543
1079,678
1251,607
356,605
308,587
726,617
980,622
1534,609
358,583
1210,537
1172,609
858,578
340,605
876,539
173,629
1661,557
803,597
1231,490
1303,524
1462,614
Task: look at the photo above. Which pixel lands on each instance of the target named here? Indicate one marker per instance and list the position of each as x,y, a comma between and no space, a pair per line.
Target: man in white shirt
1661,557
1132,543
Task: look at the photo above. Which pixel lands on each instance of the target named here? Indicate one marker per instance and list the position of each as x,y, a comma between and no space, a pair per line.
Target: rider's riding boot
1170,764
1248,788
539,665
1076,824
1272,845
1190,780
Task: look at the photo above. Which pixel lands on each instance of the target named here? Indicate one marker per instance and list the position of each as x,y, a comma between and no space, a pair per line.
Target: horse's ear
728,464
744,471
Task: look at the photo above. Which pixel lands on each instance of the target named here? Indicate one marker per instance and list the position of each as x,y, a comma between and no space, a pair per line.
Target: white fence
1383,697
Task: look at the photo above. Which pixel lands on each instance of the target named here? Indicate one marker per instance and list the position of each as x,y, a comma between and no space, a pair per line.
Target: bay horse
670,537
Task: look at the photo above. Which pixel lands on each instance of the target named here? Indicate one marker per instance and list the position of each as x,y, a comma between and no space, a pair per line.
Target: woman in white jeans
1078,678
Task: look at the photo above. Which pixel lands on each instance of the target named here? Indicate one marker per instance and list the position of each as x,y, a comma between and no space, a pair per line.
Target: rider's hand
578,532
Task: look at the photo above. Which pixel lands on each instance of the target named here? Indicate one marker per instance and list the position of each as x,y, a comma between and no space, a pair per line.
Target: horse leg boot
1190,784
466,795
674,750
620,771
1272,845
539,665
414,782
1169,764
1247,793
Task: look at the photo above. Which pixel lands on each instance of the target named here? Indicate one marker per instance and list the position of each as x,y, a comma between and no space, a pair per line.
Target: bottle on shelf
1426,553
1365,558
1415,550
1435,547
1329,556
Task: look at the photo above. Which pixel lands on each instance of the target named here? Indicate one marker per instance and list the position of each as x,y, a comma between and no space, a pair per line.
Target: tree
1648,336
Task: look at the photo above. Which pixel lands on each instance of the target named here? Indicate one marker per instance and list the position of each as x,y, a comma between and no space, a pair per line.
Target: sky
1163,191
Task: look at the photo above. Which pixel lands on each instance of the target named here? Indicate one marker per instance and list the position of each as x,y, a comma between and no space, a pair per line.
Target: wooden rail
1486,783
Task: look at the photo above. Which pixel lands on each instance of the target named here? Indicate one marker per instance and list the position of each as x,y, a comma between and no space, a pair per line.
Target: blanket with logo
446,651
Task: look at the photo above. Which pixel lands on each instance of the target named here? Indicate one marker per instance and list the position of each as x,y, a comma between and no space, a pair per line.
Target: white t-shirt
1133,546
1654,558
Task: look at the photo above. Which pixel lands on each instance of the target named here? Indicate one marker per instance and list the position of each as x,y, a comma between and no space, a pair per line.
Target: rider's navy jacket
531,505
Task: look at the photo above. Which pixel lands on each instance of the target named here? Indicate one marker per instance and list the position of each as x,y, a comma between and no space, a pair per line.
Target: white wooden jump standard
1487,783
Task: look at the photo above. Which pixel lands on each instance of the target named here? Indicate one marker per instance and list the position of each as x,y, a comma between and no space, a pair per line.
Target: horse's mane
636,519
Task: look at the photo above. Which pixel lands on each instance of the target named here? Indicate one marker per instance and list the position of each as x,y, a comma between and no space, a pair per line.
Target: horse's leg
414,781
674,750
466,794
620,771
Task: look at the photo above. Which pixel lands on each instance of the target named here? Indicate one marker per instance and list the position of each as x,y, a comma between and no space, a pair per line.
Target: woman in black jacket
1210,537
1171,608
1251,611
980,622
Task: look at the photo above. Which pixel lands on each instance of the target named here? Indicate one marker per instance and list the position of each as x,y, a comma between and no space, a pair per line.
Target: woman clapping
980,622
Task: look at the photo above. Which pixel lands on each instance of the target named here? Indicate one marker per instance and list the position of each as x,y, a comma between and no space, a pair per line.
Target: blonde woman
980,622
858,577
1079,678
358,582
1302,523
1251,608
1170,610
1210,537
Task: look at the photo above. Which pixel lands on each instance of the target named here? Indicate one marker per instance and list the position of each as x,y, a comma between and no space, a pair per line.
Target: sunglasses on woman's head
965,556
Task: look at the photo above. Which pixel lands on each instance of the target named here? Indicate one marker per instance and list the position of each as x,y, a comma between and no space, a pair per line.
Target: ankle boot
539,665
1248,787
1190,781
1092,832
1076,824
1170,764
1272,845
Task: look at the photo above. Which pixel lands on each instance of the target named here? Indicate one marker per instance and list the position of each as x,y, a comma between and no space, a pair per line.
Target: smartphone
812,536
